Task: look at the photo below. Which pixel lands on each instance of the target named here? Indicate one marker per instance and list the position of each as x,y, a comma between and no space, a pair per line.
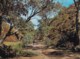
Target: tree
29,8
77,5
40,7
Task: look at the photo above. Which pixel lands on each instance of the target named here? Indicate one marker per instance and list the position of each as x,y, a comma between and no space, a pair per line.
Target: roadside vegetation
56,32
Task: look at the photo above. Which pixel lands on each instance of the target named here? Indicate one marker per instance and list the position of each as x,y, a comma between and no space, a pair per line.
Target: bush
48,42
7,51
17,46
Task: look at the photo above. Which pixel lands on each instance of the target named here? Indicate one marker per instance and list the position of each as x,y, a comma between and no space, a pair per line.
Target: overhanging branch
29,18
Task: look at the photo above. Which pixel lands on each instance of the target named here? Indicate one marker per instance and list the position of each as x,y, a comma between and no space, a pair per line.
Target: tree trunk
0,24
77,24
77,19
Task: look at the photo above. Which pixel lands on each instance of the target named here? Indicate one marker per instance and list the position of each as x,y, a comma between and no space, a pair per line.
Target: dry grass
12,43
17,46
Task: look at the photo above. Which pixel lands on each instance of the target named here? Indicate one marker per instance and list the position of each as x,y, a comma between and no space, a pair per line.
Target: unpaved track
43,52
43,56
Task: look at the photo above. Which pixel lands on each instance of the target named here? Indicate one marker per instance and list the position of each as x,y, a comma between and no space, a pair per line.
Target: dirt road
50,54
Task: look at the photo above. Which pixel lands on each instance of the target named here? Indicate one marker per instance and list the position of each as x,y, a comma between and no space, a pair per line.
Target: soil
50,54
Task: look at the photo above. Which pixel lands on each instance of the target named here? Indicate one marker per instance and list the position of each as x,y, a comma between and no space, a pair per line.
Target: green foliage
28,32
48,42
18,48
28,39
59,29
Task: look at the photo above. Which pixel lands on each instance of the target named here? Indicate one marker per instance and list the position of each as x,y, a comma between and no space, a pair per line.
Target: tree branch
29,18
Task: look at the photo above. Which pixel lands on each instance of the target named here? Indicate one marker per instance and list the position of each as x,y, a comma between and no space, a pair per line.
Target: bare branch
29,18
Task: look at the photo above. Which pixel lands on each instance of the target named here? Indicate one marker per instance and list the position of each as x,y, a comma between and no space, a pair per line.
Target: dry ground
50,54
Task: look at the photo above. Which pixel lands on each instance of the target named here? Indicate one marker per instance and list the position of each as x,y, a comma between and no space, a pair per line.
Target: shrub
17,46
48,42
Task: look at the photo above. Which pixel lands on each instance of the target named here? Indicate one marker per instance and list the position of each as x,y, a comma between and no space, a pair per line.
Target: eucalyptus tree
77,5
28,8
